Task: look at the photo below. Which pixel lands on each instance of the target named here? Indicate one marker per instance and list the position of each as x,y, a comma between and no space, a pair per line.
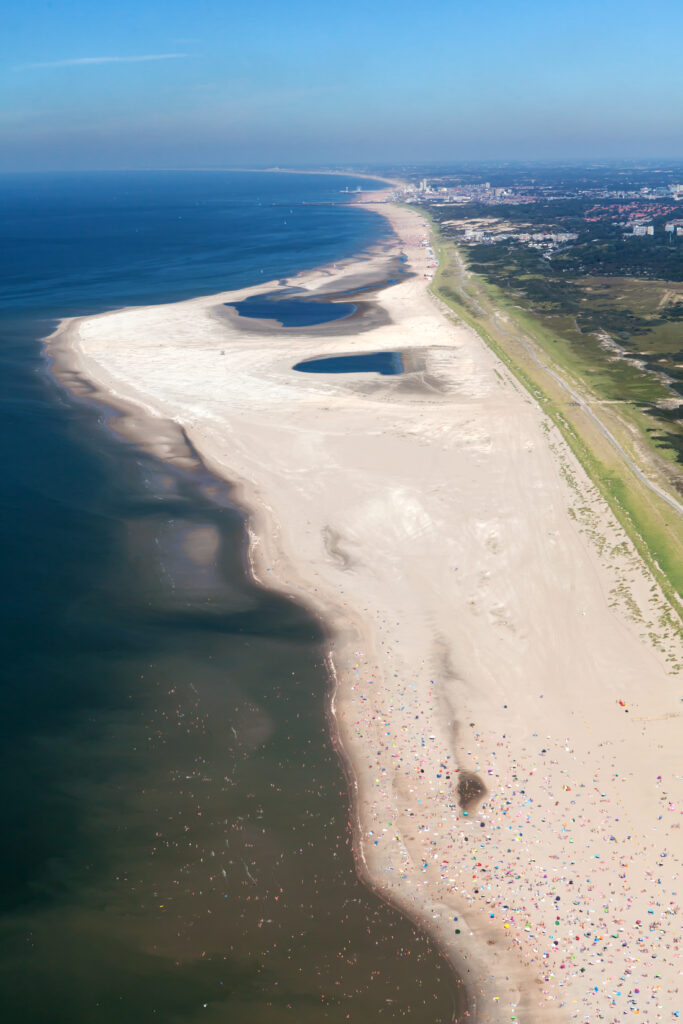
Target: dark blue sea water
175,841
95,241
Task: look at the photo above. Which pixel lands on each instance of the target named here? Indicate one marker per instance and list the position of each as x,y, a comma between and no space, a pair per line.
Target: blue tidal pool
385,363
293,312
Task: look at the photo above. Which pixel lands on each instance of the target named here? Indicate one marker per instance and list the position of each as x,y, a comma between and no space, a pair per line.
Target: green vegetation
557,330
600,248
621,335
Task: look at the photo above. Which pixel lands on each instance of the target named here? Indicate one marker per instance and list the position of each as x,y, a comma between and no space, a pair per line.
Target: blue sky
164,83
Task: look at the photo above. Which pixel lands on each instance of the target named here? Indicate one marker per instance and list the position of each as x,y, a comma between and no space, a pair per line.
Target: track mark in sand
488,535
499,615
333,545
444,660
493,543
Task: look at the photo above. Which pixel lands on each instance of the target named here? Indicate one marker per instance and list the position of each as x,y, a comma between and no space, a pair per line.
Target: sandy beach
505,690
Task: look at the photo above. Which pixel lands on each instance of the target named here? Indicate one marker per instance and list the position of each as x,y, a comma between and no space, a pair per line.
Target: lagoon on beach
386,363
293,312
175,816
504,694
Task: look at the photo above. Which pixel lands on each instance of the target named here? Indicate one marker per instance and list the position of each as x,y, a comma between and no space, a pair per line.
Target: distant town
636,211
428,190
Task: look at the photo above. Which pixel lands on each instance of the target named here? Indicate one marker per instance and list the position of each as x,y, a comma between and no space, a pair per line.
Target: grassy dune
537,353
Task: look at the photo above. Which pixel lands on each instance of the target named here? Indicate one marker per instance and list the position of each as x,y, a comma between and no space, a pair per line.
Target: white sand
487,613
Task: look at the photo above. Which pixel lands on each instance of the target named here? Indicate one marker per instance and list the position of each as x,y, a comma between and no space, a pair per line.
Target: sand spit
505,677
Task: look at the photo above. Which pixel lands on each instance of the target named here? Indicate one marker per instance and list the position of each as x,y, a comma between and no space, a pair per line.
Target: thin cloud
76,61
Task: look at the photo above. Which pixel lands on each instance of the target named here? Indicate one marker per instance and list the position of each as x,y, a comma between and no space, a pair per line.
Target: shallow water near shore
176,843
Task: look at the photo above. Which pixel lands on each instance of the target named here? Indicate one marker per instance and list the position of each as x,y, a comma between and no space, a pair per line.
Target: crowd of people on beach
515,868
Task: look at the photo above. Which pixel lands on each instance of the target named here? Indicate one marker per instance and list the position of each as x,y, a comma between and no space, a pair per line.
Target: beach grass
651,523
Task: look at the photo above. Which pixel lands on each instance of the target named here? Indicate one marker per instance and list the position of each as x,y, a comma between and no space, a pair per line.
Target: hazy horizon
365,168
157,86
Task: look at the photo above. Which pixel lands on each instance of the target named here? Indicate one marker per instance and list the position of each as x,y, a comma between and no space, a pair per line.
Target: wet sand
489,619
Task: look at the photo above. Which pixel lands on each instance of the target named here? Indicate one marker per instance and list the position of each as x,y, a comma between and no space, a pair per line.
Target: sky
219,83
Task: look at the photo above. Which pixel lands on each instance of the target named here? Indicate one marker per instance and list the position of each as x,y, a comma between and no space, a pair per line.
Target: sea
175,827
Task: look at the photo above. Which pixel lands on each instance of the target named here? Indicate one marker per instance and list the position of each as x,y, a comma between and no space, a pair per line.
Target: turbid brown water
203,868
175,841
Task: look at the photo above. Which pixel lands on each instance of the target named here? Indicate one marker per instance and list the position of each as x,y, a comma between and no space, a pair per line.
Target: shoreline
403,423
